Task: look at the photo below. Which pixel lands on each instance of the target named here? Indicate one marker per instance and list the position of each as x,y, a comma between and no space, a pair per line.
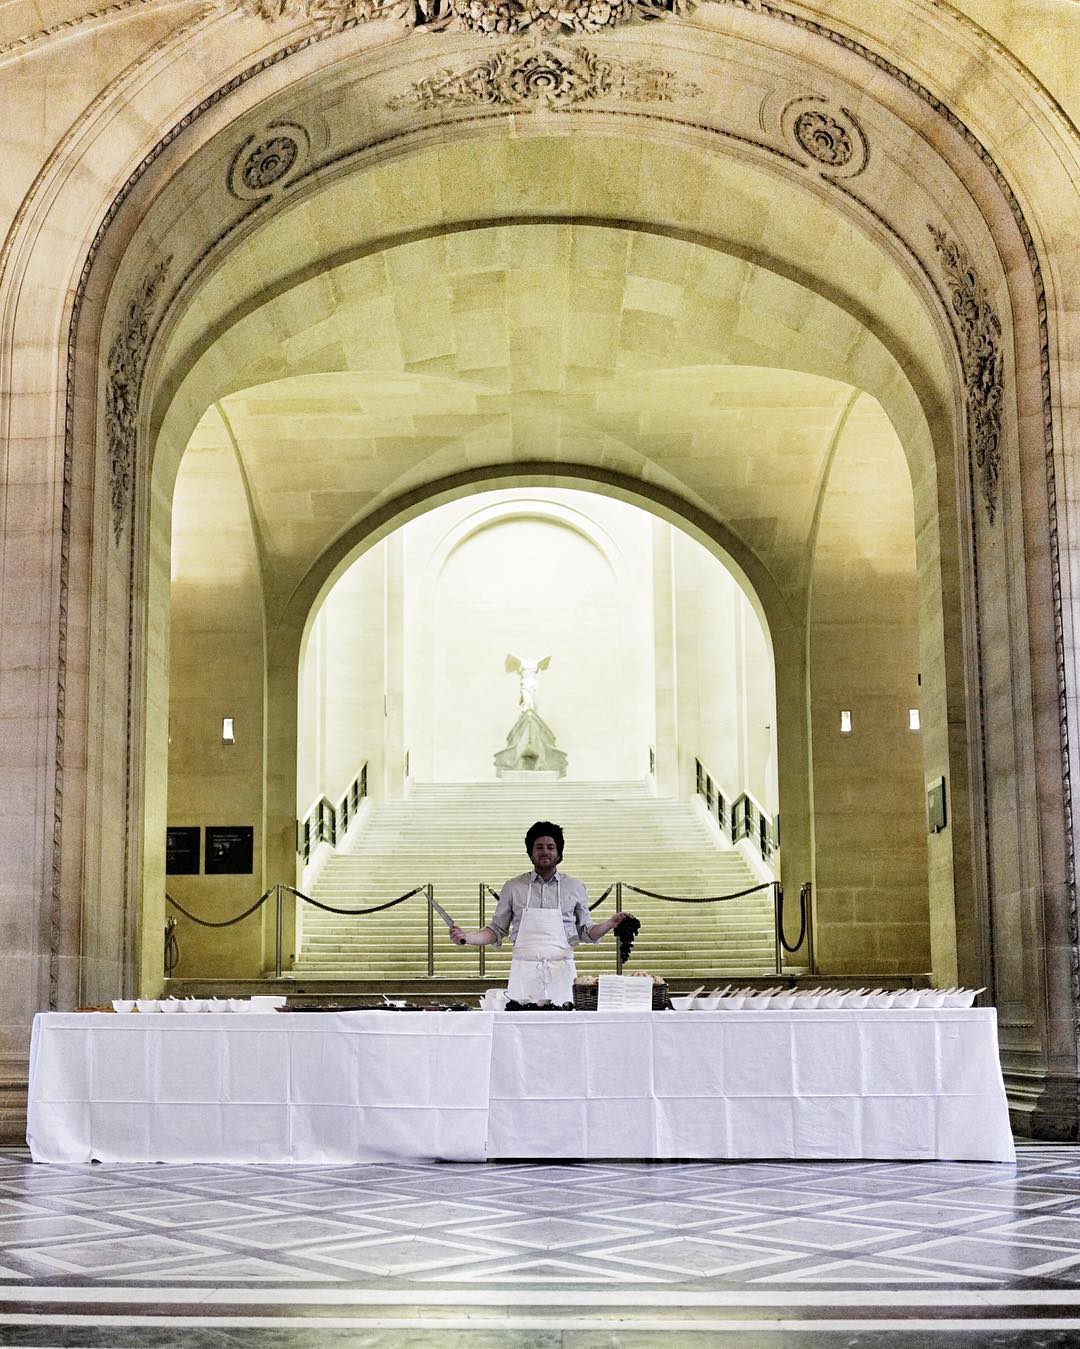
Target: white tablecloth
376,1086
889,1084
239,1087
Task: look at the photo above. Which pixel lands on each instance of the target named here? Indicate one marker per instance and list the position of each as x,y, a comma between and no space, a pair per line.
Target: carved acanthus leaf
494,17
126,363
523,74
980,331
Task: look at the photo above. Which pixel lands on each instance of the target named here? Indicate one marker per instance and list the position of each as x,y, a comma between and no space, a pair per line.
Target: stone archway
1020,865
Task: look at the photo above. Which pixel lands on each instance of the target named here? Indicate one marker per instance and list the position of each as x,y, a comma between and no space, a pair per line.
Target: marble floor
583,1255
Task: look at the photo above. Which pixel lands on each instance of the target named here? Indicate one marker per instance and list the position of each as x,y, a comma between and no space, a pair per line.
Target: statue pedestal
531,754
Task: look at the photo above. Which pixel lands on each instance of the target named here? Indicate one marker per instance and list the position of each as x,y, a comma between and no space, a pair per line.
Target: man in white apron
546,914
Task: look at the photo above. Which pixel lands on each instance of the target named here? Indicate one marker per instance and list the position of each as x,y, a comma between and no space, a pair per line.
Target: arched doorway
917,300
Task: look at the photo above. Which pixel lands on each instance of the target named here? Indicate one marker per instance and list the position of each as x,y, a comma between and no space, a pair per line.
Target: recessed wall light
227,735
913,722
845,722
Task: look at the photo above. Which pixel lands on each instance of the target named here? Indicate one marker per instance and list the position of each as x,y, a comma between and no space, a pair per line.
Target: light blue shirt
562,892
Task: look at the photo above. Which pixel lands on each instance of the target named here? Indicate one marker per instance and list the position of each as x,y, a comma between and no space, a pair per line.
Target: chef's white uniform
545,920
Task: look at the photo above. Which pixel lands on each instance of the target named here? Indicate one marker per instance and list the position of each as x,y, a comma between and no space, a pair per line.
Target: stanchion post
778,911
618,944
483,924
430,931
279,901
806,897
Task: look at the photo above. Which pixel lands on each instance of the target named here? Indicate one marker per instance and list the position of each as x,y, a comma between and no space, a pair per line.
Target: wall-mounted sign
229,849
936,813
182,851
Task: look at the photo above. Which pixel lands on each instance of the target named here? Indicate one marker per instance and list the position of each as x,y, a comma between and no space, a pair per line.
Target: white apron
542,967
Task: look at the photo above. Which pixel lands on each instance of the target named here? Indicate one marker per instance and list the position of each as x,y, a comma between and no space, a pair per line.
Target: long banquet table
341,1087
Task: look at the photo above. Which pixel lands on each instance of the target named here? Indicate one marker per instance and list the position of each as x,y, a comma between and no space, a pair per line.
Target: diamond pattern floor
584,1254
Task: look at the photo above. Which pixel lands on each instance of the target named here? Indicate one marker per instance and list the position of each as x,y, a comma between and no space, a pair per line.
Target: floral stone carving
824,138
520,75
983,369
125,364
269,161
477,16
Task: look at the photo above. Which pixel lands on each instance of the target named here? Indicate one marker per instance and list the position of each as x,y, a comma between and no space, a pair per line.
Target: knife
444,916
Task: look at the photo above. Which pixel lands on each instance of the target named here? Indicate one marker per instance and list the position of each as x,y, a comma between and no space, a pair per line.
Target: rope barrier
602,897
780,921
354,913
205,922
711,899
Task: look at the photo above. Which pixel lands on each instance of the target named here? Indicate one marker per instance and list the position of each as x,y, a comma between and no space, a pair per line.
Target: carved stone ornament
828,135
266,159
270,160
474,16
519,75
824,138
125,365
981,348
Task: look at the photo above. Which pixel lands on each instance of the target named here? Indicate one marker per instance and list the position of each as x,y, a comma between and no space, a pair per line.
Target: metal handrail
324,821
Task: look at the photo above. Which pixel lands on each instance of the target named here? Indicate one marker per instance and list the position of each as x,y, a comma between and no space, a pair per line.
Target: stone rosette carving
270,160
506,17
829,136
980,331
125,365
521,75
267,159
824,138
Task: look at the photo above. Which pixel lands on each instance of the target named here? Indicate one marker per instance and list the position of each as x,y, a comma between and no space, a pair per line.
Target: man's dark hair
544,829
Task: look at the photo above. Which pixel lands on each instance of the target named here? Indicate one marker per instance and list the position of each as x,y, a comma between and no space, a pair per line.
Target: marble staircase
456,836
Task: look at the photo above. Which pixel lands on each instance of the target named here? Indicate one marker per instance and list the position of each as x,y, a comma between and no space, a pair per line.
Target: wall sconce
845,722
913,722
227,735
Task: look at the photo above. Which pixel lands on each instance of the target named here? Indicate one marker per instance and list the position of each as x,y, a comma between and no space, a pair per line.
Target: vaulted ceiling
571,344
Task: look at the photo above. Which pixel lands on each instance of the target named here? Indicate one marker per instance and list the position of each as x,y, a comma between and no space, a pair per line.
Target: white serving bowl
266,1002
781,1001
880,999
148,1004
686,1003
907,997
731,1002
931,997
238,1004
123,1004
193,1005
831,998
961,997
170,1005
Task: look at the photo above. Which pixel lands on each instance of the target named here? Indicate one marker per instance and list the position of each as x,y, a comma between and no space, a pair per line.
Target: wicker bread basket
585,997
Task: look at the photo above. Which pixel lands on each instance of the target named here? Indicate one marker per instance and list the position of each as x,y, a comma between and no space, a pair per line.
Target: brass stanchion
618,944
483,924
430,931
279,899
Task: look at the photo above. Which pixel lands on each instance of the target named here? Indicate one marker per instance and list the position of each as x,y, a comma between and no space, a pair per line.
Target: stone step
615,831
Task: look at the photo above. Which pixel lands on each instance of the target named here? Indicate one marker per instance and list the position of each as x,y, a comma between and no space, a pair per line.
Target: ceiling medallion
494,17
521,75
267,159
827,135
823,138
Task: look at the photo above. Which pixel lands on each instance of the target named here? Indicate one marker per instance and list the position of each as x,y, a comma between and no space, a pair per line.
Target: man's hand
458,936
616,918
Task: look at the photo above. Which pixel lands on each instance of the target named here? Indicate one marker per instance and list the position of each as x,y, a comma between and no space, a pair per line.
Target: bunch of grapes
626,932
